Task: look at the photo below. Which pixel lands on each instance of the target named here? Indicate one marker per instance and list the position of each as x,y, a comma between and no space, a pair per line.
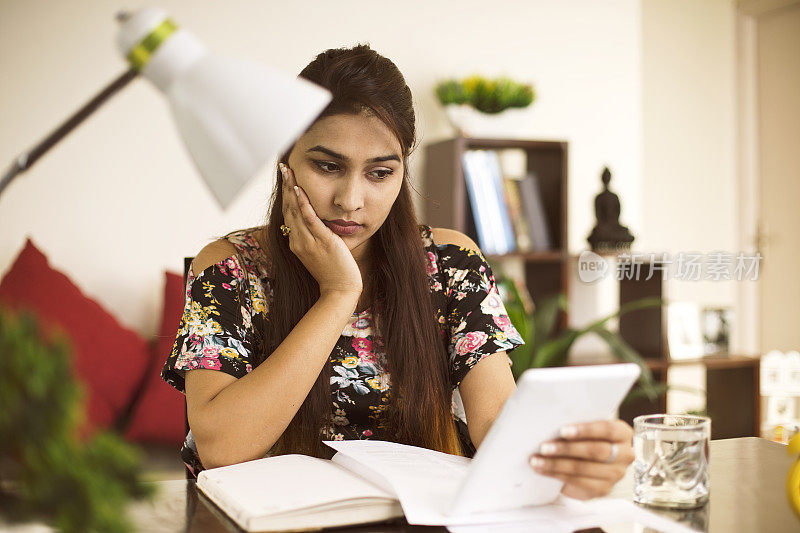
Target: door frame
747,336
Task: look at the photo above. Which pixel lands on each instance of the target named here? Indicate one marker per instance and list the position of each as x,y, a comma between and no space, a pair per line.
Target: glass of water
671,464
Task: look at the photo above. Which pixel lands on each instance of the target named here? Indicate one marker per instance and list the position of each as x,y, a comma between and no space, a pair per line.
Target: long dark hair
362,80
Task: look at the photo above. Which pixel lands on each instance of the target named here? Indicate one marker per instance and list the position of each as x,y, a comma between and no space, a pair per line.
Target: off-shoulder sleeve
215,331
476,318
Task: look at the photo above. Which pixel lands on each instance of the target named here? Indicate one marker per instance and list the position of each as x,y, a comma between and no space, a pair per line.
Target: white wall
118,201
689,135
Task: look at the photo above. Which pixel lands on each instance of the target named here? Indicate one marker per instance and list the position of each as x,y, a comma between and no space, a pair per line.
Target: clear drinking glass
671,464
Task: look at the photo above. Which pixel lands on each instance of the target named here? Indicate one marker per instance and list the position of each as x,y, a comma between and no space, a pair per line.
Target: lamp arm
26,160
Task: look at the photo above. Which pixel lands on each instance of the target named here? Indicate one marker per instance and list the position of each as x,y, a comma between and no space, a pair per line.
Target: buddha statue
608,234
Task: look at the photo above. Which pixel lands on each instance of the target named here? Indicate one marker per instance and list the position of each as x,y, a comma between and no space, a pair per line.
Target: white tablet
546,399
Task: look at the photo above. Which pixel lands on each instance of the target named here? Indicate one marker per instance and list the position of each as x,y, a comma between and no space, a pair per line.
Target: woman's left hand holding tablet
589,458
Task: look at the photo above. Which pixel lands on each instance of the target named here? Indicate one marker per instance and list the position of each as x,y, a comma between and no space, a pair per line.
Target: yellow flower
229,352
350,362
260,305
471,82
380,383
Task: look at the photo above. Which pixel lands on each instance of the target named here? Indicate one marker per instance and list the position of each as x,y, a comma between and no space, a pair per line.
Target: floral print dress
218,332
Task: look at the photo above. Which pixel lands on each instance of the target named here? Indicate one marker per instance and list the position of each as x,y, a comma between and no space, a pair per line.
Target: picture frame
717,323
684,336
781,409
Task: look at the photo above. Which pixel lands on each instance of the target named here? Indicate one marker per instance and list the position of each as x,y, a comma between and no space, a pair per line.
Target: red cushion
159,416
108,358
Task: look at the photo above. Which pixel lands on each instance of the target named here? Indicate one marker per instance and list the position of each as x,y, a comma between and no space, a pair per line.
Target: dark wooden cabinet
732,381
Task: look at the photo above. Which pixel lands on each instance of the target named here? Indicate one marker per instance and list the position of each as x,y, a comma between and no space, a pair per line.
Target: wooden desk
747,495
747,477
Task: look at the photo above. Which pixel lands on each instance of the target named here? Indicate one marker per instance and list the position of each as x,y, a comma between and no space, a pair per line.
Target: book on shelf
480,209
520,223
491,163
485,189
513,166
533,208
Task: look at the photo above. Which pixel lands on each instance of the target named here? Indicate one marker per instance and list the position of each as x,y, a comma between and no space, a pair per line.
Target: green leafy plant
484,94
543,348
47,472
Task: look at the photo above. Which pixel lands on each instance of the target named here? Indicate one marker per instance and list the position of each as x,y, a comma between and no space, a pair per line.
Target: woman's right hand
324,254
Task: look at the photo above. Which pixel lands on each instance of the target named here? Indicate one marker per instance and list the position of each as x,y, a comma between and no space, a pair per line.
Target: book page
423,480
283,483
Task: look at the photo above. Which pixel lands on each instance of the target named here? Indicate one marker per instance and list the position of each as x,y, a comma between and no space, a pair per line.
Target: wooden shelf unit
448,204
733,398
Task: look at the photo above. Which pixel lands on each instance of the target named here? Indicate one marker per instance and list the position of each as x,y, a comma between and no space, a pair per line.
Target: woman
343,318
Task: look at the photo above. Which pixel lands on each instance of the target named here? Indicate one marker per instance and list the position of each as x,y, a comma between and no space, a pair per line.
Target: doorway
769,108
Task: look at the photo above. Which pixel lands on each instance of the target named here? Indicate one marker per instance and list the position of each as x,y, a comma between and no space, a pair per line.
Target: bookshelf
732,381
448,204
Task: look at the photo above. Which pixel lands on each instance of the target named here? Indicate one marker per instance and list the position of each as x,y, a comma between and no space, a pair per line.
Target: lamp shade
233,115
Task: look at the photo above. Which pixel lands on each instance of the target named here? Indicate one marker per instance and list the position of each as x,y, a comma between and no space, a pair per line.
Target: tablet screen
546,399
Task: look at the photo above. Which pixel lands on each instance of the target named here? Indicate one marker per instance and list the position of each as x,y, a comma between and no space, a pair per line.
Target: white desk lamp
233,115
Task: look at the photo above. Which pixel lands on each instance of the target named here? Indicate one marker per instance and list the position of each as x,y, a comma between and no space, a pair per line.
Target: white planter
469,122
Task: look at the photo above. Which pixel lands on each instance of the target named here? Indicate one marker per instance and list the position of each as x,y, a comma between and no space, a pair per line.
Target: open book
297,492
372,480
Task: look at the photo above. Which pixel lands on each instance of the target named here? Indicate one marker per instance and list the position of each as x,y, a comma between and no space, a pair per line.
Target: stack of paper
426,483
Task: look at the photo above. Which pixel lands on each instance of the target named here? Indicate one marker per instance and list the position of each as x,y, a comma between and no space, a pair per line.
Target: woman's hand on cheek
324,254
589,458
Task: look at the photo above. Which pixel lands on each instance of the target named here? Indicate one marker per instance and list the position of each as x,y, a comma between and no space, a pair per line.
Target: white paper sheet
425,482
571,515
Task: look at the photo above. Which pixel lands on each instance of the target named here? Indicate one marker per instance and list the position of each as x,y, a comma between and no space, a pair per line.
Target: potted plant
47,472
469,102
